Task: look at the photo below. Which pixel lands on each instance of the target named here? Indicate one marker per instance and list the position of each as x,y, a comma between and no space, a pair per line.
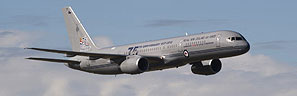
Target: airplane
202,51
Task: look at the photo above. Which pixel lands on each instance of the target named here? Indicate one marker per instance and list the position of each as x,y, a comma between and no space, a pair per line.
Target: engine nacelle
213,67
134,65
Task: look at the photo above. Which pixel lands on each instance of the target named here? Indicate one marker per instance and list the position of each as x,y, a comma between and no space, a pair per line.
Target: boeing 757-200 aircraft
148,56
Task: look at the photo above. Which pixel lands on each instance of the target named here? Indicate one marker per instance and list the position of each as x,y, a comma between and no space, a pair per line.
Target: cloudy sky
269,69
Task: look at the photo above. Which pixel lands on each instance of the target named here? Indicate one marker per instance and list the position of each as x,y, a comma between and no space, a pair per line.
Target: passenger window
238,38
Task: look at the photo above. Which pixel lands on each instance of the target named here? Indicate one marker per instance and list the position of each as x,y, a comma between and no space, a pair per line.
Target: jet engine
134,65
210,68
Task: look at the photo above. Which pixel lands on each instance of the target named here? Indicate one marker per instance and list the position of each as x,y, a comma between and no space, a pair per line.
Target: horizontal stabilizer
54,60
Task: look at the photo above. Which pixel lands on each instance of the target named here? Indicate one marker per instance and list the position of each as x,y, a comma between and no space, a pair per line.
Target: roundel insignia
186,53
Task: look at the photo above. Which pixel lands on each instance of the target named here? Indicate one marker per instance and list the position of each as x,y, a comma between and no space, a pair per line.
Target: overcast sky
269,69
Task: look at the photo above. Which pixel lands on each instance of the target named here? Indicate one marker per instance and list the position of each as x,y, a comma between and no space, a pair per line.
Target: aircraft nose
246,47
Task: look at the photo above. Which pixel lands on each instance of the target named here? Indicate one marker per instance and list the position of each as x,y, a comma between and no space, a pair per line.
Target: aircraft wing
53,60
74,53
92,55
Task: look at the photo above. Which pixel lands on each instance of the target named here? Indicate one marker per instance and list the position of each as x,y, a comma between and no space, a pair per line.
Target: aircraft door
181,46
218,41
182,49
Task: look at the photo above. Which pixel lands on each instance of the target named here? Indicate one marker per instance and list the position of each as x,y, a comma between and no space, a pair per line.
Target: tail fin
79,38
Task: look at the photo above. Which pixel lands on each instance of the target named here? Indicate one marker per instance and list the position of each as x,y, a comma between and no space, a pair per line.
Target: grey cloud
256,63
57,87
243,75
5,33
175,22
276,45
14,38
252,78
276,42
26,20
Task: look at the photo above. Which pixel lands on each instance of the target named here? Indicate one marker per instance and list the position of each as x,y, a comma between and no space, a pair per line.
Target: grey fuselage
175,52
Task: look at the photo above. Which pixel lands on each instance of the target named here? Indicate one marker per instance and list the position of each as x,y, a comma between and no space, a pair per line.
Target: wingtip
30,58
28,48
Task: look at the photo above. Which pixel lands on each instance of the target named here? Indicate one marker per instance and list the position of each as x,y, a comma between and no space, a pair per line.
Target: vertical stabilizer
79,38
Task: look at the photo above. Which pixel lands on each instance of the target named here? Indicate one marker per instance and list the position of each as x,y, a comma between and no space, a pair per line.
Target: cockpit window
235,39
238,38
